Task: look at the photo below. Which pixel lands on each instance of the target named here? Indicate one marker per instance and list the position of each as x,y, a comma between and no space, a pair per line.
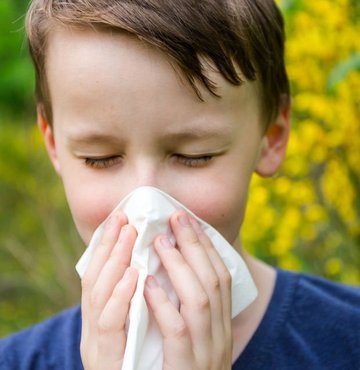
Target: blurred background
307,218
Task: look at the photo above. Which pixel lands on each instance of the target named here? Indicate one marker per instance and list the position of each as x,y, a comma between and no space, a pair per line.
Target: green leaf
341,70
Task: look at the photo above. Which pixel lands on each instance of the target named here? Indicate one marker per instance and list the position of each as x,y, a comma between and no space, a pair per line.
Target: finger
110,235
193,244
113,270
193,251
194,302
220,327
218,264
112,322
177,343
101,253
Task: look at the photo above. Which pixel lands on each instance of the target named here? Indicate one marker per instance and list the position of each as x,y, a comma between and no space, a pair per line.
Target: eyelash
192,162
100,163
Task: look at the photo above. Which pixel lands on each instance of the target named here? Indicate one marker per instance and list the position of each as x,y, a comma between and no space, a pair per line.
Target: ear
48,136
275,141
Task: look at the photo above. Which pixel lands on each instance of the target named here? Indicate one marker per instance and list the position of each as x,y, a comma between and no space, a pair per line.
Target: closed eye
100,163
188,161
193,161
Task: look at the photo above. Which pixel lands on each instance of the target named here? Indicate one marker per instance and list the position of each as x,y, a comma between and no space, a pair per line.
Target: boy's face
119,103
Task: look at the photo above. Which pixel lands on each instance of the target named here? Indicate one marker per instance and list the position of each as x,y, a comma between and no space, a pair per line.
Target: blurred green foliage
308,218
39,245
38,242
16,74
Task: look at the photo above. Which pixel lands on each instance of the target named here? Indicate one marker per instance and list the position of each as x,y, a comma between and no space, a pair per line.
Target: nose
146,172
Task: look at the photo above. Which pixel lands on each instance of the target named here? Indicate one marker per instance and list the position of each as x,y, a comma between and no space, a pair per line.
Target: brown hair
231,34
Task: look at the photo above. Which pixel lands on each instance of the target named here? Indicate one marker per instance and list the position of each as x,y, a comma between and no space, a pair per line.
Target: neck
245,324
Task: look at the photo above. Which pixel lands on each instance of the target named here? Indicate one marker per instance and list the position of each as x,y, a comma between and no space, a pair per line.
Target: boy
191,97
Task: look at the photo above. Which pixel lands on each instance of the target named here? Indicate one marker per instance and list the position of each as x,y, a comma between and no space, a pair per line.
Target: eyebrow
197,133
191,134
93,138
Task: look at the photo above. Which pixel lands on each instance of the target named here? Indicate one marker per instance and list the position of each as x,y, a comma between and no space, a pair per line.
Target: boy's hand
198,337
107,288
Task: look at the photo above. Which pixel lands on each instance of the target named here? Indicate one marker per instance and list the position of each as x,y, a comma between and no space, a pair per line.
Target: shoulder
310,322
328,290
51,344
322,322
315,296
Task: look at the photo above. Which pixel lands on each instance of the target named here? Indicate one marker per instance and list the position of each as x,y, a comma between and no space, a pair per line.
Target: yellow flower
333,266
282,185
290,262
317,189
315,213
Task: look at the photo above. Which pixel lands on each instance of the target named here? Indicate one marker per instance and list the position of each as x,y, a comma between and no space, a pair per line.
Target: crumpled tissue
149,209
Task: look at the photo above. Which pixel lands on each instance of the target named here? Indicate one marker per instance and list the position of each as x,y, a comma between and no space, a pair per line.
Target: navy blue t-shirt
310,323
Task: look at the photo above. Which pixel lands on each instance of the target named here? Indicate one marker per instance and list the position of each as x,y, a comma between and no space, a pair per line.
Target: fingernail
127,274
172,240
123,232
111,221
184,219
166,242
196,226
151,283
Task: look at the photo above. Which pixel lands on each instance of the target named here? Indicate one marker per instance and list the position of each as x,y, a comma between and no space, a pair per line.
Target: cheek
221,207
221,203
89,207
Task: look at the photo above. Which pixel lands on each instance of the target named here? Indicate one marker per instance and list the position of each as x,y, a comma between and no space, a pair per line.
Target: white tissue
149,209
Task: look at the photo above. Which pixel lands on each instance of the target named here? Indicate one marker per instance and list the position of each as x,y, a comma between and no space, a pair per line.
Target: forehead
86,67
